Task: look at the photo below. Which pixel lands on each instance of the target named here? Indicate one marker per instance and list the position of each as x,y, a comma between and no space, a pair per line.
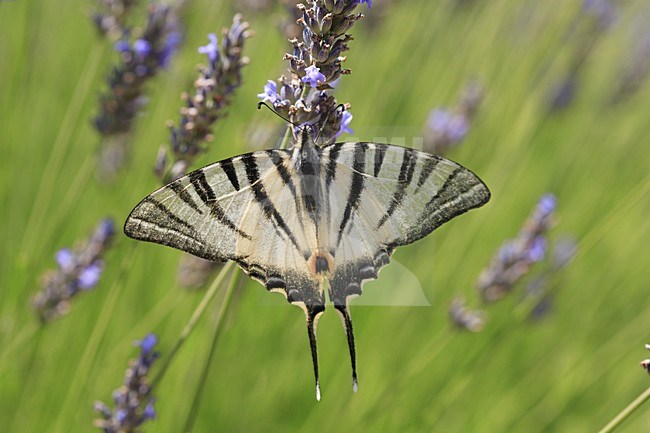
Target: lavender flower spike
78,270
446,128
140,61
304,94
214,89
645,364
111,15
134,402
516,256
465,318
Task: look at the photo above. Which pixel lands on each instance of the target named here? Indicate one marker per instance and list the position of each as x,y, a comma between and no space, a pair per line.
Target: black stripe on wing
409,160
428,168
209,198
380,152
358,168
151,221
229,169
461,192
330,170
182,193
167,217
262,198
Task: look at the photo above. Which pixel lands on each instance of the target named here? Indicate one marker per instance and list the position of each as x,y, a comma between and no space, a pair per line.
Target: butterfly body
311,218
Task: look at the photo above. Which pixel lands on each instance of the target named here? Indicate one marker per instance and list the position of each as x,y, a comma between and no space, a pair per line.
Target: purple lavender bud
546,205
121,415
508,252
89,276
122,46
141,48
458,128
603,10
133,401
65,258
149,411
368,2
438,119
537,250
563,93
147,343
313,76
464,317
345,124
270,92
172,41
106,228
212,49
454,127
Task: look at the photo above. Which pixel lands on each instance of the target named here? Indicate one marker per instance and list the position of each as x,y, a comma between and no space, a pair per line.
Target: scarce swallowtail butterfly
311,219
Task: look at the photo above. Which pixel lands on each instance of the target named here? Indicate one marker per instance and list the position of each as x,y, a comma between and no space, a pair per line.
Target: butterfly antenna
344,313
312,317
259,107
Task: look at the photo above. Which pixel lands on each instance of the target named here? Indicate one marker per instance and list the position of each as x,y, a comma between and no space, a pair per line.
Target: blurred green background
572,371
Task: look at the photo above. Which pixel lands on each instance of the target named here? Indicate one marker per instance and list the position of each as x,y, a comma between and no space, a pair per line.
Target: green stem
618,419
194,408
287,137
192,322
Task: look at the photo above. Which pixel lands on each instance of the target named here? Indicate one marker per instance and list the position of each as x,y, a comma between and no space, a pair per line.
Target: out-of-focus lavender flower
303,95
562,94
594,18
537,250
603,10
464,317
79,269
540,289
140,60
193,272
636,67
516,256
563,252
214,90
645,364
446,128
65,259
89,276
110,16
141,48
452,127
134,402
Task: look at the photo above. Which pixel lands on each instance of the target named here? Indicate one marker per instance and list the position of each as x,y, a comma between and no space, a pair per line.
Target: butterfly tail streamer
344,313
313,313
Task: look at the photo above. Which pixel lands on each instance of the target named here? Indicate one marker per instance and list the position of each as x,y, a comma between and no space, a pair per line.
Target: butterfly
311,220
